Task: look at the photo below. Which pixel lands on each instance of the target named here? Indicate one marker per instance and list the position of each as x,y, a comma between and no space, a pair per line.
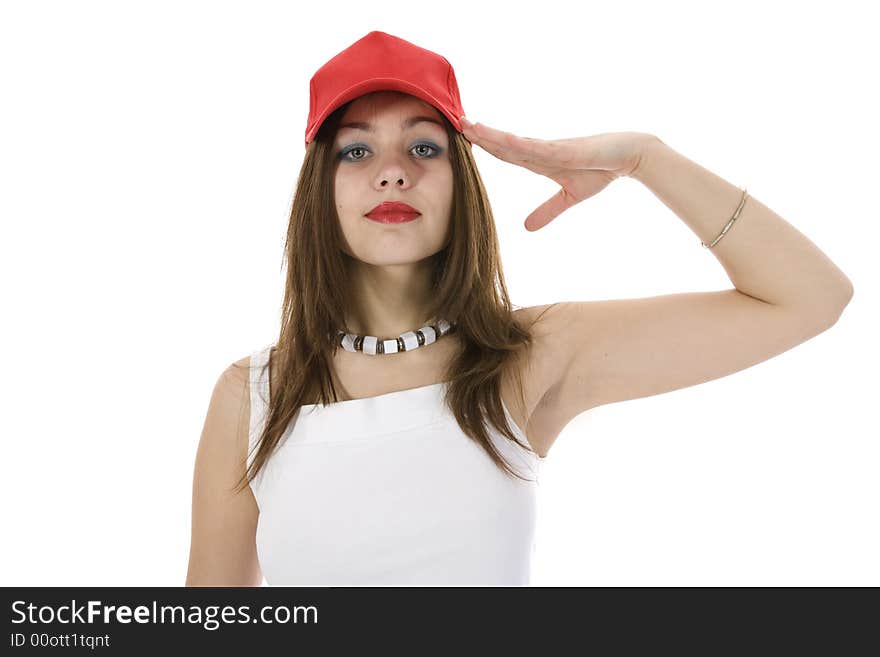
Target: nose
392,171
396,175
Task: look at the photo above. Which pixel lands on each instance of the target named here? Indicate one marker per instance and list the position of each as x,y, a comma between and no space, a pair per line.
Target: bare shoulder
230,402
539,368
222,548
591,353
228,416
545,323
238,373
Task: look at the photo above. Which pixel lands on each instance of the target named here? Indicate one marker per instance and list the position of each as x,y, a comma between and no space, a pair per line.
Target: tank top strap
259,397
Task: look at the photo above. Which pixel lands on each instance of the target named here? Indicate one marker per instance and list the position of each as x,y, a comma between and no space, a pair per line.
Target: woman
404,457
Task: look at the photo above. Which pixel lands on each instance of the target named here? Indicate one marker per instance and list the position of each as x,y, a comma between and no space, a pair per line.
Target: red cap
377,62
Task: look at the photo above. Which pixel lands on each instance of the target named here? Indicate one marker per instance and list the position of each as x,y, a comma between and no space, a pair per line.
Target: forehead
395,108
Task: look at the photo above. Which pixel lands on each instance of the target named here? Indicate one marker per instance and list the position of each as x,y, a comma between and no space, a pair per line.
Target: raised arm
786,291
590,353
765,257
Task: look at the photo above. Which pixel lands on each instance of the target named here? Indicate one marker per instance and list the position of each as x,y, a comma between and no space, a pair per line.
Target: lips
393,212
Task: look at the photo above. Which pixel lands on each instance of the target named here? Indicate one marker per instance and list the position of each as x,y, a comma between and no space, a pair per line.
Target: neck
389,300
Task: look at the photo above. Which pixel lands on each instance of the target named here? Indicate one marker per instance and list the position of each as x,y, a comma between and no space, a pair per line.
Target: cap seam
449,80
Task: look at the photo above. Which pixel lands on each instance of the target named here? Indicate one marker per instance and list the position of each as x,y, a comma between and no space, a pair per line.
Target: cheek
438,182
345,200
446,193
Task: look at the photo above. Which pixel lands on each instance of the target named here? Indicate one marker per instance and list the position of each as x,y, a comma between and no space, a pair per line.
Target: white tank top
388,490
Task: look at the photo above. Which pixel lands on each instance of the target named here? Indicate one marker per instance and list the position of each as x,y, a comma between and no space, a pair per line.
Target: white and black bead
370,344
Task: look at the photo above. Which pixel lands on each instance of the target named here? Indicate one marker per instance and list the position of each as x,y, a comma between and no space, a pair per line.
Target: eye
343,155
358,147
428,146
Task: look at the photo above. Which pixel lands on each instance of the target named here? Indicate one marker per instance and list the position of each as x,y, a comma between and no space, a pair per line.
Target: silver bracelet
729,223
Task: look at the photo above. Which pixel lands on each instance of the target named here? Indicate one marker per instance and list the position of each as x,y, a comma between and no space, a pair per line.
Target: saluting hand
583,166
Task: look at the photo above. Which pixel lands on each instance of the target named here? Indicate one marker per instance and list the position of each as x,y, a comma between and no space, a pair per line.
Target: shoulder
540,365
538,319
553,342
236,376
240,368
223,444
228,418
230,396
242,371
563,331
223,519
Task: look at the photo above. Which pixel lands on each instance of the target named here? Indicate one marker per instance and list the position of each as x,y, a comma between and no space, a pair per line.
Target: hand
583,166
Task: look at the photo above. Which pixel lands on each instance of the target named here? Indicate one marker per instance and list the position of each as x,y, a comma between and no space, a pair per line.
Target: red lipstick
393,212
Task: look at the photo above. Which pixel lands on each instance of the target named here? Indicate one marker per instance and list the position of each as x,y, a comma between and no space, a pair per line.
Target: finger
508,155
477,133
549,210
492,147
508,146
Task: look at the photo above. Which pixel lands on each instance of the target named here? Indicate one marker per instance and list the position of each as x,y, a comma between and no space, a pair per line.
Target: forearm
764,256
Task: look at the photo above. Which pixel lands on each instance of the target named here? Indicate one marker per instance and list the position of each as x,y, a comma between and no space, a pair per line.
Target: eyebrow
408,123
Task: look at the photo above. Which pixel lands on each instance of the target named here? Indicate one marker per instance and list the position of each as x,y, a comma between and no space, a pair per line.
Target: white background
148,156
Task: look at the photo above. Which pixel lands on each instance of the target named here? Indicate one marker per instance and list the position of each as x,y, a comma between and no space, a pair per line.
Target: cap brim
379,84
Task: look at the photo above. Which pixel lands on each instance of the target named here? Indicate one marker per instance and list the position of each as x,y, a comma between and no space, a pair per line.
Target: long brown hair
469,291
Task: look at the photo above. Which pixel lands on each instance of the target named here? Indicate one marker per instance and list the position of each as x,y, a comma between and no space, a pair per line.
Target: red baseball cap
377,62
